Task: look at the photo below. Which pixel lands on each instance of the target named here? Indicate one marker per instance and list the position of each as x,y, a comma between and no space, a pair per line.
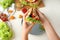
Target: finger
24,24
42,17
24,16
28,12
35,17
30,27
40,14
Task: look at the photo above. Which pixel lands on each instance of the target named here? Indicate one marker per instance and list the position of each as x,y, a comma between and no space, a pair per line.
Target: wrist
47,25
24,36
47,22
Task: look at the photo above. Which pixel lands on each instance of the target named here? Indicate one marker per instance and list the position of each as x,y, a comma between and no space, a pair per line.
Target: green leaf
6,3
5,32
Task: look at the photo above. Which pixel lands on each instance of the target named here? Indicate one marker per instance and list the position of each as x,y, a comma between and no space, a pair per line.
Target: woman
52,35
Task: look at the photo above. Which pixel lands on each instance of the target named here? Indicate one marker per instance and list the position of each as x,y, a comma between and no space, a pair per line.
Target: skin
26,28
52,35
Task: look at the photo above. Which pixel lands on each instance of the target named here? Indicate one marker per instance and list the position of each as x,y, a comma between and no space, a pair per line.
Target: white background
51,10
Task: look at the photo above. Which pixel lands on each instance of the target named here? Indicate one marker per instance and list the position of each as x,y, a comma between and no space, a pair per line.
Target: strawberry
4,19
24,10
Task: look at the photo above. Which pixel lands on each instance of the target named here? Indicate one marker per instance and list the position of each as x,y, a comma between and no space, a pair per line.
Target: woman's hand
44,20
52,35
26,28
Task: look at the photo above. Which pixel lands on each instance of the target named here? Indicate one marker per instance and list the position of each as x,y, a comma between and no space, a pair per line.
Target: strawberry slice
3,17
24,10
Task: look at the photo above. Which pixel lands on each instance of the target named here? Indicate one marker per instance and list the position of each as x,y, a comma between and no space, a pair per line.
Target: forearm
52,35
25,37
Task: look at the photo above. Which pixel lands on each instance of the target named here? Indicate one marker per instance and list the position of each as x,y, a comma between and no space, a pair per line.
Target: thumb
31,26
